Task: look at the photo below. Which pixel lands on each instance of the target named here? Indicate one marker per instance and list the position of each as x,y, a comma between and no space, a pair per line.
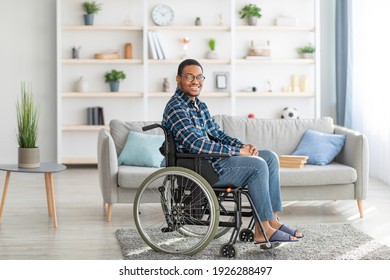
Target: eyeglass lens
190,77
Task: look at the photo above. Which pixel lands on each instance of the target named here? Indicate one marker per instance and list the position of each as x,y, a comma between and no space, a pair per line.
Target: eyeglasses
190,77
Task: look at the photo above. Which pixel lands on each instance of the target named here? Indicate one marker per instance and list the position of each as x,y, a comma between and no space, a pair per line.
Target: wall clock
162,14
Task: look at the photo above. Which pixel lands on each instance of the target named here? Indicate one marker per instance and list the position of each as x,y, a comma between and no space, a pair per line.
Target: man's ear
178,81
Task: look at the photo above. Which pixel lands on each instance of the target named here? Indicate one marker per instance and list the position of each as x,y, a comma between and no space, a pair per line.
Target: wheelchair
177,211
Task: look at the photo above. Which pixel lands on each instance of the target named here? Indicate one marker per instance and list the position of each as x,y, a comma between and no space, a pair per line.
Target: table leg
52,199
6,183
48,196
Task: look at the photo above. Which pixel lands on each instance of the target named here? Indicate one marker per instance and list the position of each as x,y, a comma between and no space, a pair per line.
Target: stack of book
290,161
95,116
155,48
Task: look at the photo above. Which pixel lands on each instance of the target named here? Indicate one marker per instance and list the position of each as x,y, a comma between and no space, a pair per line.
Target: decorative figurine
76,52
166,85
185,42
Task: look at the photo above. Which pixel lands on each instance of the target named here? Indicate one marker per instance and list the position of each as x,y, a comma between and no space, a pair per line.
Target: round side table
45,168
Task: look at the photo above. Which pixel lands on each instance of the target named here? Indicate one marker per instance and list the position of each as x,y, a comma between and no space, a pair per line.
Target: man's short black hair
187,62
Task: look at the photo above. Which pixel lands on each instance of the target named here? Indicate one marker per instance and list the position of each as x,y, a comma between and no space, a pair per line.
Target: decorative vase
212,55
81,85
128,51
166,85
198,21
308,55
88,19
114,86
28,157
252,20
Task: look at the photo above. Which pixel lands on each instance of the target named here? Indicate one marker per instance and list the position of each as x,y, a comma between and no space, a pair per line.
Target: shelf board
274,94
202,94
275,28
276,61
102,94
177,61
75,127
102,28
101,61
191,27
78,160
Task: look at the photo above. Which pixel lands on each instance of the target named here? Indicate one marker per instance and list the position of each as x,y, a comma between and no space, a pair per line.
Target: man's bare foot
276,224
259,237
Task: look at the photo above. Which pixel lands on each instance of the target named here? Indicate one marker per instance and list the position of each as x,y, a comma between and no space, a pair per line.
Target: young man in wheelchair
189,120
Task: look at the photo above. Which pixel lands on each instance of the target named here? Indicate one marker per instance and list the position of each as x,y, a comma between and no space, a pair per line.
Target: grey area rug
321,242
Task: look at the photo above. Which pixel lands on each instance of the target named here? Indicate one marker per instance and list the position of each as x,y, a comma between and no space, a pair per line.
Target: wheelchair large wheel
176,211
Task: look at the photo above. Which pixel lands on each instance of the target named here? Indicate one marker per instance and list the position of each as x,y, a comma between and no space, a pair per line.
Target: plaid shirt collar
191,103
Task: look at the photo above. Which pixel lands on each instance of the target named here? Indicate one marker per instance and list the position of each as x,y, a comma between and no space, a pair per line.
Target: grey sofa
346,178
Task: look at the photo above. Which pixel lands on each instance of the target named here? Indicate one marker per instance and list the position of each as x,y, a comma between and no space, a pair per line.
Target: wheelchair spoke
175,211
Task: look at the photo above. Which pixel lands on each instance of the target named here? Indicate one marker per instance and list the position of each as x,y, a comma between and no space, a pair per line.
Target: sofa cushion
321,148
142,150
120,129
314,175
280,136
133,176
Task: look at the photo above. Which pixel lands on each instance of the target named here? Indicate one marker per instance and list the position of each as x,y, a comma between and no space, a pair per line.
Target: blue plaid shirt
193,128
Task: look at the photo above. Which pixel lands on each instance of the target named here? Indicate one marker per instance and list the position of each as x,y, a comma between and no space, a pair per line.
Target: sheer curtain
368,89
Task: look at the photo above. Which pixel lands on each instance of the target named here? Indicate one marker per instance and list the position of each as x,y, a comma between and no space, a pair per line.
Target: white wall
27,53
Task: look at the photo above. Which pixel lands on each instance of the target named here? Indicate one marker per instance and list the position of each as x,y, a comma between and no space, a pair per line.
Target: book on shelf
157,44
95,116
151,45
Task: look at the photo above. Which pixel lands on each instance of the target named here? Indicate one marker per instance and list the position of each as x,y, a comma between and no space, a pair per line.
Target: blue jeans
261,175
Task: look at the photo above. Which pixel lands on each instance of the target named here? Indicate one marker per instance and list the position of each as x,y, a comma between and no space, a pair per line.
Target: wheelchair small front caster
246,235
227,250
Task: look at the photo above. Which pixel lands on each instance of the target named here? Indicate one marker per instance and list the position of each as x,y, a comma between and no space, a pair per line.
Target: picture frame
222,80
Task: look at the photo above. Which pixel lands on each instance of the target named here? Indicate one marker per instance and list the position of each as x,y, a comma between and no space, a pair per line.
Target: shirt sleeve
192,138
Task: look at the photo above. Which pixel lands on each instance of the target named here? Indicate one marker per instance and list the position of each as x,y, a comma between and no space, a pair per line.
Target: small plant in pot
27,114
90,9
307,51
212,54
113,78
251,12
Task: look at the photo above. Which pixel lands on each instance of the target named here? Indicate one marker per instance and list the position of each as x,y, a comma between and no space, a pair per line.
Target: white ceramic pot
81,85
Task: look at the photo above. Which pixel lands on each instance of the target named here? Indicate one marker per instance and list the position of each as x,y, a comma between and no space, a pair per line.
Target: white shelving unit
140,96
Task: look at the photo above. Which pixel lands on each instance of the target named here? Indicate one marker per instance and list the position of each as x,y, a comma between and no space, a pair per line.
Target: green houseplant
113,78
307,51
212,54
251,12
27,113
90,9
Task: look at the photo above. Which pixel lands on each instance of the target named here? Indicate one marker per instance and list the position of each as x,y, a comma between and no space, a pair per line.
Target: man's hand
249,150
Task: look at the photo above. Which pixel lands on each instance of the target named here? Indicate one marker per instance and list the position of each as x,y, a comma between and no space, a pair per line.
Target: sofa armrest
107,166
355,154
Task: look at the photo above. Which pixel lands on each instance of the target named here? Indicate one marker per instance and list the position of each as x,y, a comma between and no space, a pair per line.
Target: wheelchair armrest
188,155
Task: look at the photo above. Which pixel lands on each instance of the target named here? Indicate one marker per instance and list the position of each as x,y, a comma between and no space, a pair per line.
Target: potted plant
27,114
90,9
212,54
113,78
307,51
251,12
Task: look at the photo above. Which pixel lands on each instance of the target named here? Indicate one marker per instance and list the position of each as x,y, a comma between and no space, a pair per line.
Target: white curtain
368,86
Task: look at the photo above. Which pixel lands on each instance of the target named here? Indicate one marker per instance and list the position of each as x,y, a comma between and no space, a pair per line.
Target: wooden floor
27,232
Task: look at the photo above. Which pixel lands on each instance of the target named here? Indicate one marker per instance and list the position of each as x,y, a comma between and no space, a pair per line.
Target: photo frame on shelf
221,81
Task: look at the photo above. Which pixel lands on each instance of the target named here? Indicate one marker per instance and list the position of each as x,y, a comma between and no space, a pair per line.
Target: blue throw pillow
142,150
321,148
